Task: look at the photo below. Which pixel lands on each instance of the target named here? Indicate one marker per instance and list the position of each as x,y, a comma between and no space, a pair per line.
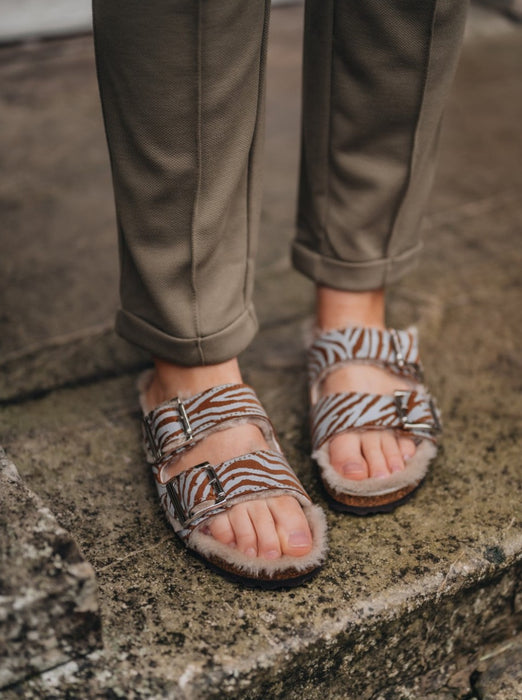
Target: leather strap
407,411
178,424
397,351
204,490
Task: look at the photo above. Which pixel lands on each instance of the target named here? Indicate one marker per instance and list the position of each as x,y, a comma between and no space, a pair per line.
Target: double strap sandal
190,498
411,413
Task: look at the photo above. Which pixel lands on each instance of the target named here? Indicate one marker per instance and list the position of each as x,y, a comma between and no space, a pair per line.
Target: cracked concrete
407,600
49,607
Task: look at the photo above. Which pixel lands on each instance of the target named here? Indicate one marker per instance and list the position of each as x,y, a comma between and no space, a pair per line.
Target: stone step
402,594
49,610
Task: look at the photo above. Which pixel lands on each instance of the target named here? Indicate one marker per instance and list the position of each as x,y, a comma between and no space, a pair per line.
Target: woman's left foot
362,454
374,427
371,453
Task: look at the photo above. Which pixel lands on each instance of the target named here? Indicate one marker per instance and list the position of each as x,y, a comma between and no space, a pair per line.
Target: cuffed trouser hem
353,276
210,350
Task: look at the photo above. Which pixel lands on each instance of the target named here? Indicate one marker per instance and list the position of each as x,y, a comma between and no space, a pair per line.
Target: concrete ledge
48,595
90,354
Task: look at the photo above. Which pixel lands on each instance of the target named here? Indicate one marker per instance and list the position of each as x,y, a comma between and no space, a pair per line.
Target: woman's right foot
268,527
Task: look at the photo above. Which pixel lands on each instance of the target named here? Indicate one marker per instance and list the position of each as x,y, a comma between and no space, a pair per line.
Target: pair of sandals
190,498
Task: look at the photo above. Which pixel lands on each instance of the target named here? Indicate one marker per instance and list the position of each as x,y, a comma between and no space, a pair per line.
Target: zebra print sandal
411,413
204,490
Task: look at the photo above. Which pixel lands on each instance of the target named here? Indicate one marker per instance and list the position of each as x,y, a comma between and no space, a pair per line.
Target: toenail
299,539
251,552
381,475
352,468
272,554
395,466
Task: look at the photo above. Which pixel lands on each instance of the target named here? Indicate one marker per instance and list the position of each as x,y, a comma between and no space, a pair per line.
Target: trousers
182,86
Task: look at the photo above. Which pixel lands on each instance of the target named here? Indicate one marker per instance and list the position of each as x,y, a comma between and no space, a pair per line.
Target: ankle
172,380
337,309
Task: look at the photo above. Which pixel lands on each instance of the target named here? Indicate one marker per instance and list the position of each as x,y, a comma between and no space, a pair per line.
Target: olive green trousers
182,84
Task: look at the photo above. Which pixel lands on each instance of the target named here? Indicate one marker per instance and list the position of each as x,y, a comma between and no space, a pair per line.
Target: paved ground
418,597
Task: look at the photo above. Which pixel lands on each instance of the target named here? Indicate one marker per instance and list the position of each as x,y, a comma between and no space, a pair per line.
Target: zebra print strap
395,350
204,490
179,424
407,411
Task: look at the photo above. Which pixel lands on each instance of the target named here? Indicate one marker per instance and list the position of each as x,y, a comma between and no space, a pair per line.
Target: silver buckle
398,397
412,369
185,519
184,420
185,425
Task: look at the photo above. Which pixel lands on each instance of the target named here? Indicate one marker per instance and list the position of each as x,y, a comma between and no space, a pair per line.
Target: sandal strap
409,412
178,424
202,491
395,350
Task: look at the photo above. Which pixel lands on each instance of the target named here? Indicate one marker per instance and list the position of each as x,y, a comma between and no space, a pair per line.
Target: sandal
204,490
411,413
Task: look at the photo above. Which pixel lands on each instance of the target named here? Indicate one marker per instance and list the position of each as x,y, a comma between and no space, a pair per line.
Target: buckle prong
403,415
396,342
185,519
187,428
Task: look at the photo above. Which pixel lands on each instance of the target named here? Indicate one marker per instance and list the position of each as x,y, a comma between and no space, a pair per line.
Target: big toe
292,526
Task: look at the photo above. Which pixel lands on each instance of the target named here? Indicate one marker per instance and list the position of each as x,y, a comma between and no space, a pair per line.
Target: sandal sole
264,584
370,509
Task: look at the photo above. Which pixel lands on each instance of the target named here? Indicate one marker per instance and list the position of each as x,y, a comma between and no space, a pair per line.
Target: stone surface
405,597
499,674
49,611
491,672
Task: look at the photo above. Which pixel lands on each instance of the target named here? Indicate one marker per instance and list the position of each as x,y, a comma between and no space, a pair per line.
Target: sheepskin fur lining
414,472
239,563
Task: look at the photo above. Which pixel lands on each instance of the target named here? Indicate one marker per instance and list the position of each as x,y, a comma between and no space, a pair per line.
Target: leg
376,77
182,87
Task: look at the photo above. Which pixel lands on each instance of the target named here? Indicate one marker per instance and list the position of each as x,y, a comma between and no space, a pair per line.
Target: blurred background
22,19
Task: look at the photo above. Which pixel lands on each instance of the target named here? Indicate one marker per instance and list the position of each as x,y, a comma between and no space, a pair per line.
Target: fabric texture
182,84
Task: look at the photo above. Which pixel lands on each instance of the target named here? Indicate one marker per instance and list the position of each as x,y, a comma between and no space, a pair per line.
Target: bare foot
372,453
266,527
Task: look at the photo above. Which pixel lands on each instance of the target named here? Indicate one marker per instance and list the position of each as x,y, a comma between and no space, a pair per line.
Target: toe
221,529
244,531
346,456
268,545
292,526
407,448
392,453
372,450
